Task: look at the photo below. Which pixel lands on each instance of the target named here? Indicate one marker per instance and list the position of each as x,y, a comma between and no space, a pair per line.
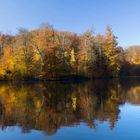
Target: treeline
48,54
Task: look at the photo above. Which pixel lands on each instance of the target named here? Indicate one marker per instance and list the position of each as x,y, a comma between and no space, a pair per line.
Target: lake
91,110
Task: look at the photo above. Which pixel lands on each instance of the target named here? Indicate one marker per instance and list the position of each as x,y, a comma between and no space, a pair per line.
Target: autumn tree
110,53
132,61
87,54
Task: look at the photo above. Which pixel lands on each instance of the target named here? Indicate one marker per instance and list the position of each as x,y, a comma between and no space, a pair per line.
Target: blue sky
74,15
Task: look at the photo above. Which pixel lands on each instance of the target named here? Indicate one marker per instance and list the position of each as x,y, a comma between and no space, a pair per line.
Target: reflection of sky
15,134
127,128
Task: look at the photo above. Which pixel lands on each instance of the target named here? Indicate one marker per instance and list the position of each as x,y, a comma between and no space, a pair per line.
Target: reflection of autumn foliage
47,107
134,95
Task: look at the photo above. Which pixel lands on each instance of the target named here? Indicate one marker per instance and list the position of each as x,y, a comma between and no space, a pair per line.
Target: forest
49,54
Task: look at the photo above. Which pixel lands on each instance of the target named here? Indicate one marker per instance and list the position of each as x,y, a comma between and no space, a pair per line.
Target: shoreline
71,79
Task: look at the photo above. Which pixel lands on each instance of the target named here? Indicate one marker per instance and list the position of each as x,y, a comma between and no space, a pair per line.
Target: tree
87,54
110,53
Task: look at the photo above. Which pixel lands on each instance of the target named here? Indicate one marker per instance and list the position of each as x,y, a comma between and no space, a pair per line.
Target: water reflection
49,106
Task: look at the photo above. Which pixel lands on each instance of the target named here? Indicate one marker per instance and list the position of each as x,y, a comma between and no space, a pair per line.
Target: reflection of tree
47,107
133,95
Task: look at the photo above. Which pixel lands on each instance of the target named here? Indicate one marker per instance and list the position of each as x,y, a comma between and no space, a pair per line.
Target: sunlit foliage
48,54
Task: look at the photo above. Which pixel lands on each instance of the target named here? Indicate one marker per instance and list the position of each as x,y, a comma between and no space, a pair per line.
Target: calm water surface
99,110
